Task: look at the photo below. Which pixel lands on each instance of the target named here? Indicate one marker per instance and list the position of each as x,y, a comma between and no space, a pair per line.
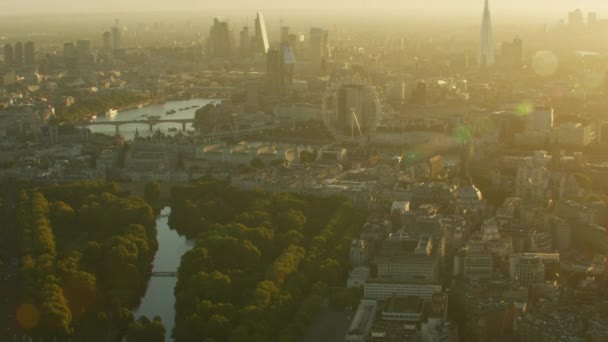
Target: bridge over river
163,274
150,122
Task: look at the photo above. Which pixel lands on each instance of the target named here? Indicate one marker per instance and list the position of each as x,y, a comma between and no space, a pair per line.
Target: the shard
486,41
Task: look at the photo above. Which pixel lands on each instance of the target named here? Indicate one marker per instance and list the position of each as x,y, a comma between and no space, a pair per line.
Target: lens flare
27,316
545,63
462,134
523,109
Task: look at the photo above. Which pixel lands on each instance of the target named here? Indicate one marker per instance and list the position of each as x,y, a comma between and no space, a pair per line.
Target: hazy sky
529,7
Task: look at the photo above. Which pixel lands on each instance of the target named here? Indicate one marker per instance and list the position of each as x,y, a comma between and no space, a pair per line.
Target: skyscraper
19,53
576,20
280,64
83,50
9,58
29,53
512,53
261,37
116,37
318,46
486,41
219,39
245,41
274,71
284,34
107,42
69,51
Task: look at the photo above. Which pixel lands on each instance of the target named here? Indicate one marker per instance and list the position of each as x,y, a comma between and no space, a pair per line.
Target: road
11,260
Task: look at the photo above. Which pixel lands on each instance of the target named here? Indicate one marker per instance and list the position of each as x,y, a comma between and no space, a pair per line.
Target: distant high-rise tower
29,53
245,41
69,50
319,49
83,50
486,41
219,39
274,71
19,53
280,64
116,37
512,53
107,42
284,34
261,37
576,21
9,58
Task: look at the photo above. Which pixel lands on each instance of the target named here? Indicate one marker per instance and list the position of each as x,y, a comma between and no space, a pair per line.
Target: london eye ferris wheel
351,110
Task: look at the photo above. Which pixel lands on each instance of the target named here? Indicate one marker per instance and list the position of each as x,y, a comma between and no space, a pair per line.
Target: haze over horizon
545,8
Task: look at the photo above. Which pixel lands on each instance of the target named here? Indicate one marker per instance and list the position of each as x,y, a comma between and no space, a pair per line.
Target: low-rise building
360,326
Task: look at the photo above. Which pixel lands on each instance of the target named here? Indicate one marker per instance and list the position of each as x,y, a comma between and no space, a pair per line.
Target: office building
107,42
382,289
478,261
395,91
244,41
116,37
280,64
260,43
562,234
9,55
83,51
29,53
527,270
512,53
591,19
274,72
541,242
319,49
531,268
576,21
69,51
486,41
411,261
252,94
358,253
284,34
419,94
219,39
574,134
357,277
18,61
404,309
540,119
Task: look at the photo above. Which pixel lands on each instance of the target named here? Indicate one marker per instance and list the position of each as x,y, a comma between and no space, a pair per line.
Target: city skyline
345,170
438,7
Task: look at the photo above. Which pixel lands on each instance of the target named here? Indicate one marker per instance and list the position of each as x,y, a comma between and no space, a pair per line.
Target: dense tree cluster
152,192
146,330
262,263
86,105
87,255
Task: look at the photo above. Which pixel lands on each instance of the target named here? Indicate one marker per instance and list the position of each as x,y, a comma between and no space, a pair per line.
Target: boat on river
110,113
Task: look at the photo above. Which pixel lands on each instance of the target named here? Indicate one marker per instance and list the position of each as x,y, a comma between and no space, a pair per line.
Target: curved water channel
159,299
184,109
